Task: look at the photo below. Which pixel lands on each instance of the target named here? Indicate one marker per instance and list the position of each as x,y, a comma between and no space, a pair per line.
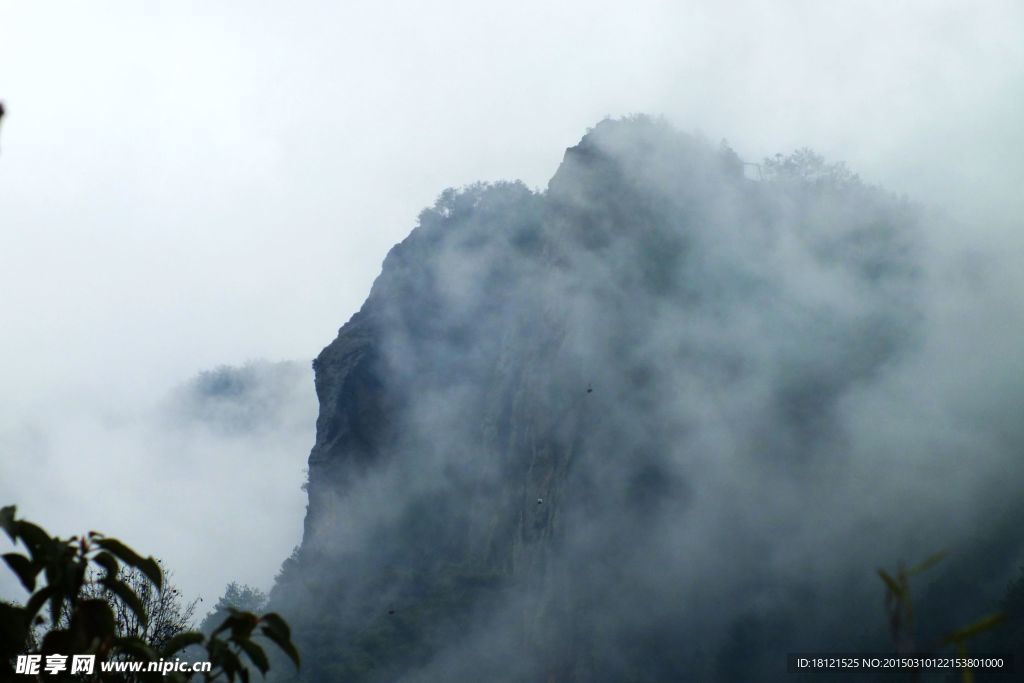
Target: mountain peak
544,402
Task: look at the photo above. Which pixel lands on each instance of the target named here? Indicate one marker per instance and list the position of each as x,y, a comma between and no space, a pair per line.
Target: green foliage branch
79,622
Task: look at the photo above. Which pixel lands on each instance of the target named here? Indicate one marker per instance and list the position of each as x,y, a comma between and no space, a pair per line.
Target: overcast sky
189,184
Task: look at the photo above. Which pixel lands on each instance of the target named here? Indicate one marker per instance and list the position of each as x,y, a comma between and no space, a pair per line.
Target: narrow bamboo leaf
928,563
980,626
891,583
966,675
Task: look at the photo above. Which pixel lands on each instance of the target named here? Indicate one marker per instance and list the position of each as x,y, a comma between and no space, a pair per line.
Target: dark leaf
108,562
38,542
147,565
224,625
285,644
7,522
57,641
74,579
181,641
56,604
24,568
255,654
241,623
127,596
275,623
137,648
14,624
227,660
96,618
151,568
38,599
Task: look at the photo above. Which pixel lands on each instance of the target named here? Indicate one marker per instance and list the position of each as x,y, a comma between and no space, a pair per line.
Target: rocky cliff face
602,432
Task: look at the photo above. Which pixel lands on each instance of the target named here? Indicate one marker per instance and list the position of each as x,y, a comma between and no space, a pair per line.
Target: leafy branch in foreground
900,611
79,622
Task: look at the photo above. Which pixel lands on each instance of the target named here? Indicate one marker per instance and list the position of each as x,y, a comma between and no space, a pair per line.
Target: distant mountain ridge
259,396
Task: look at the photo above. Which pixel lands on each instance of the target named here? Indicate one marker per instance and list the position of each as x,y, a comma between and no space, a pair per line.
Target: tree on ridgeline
236,596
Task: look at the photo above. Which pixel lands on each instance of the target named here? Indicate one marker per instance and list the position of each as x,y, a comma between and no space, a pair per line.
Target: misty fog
802,372
178,467
659,419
